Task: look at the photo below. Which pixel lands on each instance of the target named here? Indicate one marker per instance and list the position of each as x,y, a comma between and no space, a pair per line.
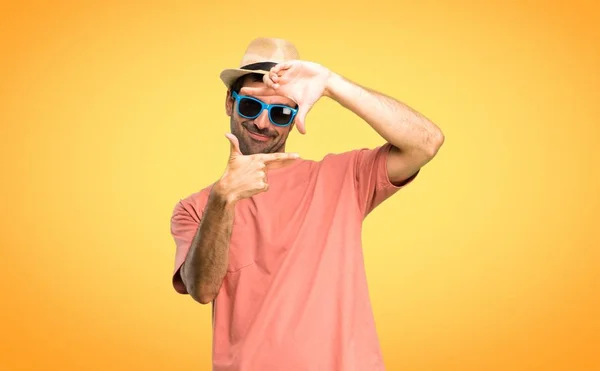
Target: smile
259,137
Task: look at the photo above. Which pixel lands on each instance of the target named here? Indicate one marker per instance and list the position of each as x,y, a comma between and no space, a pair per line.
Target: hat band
264,66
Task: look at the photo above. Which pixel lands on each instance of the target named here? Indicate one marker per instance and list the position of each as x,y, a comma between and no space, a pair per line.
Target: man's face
259,135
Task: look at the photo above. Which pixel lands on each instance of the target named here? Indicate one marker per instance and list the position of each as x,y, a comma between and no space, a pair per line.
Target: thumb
234,148
300,120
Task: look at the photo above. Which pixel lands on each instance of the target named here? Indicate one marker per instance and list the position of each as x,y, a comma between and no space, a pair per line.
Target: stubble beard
250,147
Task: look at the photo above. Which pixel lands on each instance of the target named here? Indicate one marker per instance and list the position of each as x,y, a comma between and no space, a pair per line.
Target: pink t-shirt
295,296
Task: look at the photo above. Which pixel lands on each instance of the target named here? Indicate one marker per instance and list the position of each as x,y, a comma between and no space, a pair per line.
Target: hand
302,81
246,176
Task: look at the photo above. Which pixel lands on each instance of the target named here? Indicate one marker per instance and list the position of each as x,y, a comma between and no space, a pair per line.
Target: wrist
222,196
331,83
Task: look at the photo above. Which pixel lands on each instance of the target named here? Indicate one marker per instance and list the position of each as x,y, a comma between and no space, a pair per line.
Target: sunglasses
251,108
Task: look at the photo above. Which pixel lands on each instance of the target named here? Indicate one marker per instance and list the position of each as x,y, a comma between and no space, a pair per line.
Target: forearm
206,263
397,123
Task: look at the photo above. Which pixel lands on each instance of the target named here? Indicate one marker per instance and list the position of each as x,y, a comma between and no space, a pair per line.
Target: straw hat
261,55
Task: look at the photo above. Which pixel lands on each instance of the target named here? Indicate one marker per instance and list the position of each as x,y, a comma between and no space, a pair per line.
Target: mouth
258,137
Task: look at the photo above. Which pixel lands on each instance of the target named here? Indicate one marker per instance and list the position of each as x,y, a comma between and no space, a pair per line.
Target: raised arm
414,138
207,258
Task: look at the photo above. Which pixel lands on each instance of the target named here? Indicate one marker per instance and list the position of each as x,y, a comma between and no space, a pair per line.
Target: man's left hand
304,82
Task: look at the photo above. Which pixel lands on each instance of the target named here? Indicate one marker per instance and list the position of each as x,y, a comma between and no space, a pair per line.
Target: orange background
112,111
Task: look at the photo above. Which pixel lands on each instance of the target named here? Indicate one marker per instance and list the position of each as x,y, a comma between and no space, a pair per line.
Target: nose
262,121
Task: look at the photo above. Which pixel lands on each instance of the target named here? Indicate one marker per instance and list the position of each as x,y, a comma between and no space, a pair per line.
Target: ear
228,104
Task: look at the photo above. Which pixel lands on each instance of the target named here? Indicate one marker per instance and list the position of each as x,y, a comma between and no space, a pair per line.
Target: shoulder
353,156
338,159
193,204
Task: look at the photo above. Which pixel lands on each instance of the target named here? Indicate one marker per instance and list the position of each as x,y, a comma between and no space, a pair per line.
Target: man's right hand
246,175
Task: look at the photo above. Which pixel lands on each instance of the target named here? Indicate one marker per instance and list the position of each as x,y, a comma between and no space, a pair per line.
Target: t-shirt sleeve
184,224
373,184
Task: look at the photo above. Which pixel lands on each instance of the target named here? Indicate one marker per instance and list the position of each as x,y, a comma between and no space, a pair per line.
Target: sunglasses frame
264,106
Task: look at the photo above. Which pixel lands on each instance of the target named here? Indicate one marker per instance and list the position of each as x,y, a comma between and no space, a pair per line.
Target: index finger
257,91
281,66
279,156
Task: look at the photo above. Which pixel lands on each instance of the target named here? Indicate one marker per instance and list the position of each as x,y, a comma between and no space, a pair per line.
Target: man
275,243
